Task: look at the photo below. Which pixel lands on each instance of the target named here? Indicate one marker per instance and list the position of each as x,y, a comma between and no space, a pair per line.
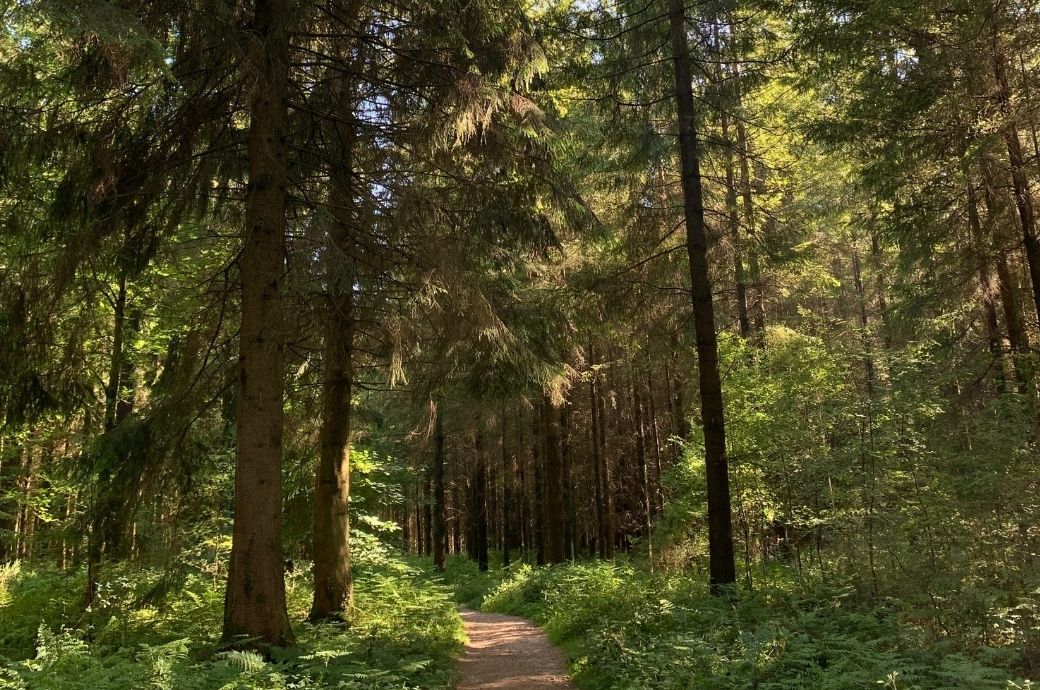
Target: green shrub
625,629
406,634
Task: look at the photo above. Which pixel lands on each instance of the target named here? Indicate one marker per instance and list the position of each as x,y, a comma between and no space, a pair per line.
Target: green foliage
405,635
625,628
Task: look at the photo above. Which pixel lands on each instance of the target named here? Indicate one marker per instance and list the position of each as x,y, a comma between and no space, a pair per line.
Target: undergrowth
624,628
151,630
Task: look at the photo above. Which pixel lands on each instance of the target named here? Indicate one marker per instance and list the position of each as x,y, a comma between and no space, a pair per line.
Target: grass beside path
623,628
150,631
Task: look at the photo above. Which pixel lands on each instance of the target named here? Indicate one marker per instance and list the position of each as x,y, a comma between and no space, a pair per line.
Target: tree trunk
987,303
757,305
1019,179
255,608
608,493
722,568
538,490
333,583
641,461
733,216
553,503
440,532
597,466
568,483
480,516
115,368
508,470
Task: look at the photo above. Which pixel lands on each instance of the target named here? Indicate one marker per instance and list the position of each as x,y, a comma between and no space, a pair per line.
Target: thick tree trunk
720,520
255,609
554,517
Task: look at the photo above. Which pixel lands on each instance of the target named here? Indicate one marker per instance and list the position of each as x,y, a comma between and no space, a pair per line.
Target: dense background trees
734,293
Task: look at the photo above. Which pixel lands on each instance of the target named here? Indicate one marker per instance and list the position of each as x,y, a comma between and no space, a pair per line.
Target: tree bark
1019,179
733,217
333,582
440,532
597,465
480,516
538,489
607,474
987,303
255,609
722,569
553,504
508,470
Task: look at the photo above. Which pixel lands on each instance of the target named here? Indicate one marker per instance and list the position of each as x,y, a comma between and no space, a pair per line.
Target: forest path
508,653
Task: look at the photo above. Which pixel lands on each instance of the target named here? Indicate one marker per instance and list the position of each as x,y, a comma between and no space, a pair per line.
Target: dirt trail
508,653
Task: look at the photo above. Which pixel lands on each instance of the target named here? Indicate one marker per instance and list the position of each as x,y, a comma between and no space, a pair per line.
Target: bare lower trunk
333,580
254,608
553,502
333,584
440,532
720,520
480,515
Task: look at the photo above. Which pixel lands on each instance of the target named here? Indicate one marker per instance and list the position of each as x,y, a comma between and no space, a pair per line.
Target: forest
518,344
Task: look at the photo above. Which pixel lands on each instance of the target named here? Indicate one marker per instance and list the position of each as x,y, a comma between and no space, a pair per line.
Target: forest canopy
703,334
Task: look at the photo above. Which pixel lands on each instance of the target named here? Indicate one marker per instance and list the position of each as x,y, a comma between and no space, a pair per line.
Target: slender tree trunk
525,501
568,482
333,583
658,492
597,465
255,607
456,524
1018,337
103,508
987,303
643,467
439,527
116,361
427,514
480,516
861,298
758,311
720,520
608,485
553,502
1019,179
537,489
733,216
508,472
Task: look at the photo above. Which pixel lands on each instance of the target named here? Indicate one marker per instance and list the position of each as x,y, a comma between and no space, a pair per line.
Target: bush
628,629
406,634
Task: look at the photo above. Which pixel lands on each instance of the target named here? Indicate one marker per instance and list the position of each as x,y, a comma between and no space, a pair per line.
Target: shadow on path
508,653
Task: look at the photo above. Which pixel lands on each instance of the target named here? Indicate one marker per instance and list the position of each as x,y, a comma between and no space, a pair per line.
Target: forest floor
508,653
